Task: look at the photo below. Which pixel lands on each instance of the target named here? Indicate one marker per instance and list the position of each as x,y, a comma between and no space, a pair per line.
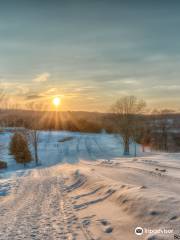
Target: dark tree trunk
36,158
36,154
36,146
126,146
135,149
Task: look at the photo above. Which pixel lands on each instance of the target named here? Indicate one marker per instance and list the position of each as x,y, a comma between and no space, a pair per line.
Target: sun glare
56,101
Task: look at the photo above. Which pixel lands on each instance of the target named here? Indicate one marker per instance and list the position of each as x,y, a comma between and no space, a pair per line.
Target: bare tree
146,135
2,97
34,136
33,132
127,111
162,126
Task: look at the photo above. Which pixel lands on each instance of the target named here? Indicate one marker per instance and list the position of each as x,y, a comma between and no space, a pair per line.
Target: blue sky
90,52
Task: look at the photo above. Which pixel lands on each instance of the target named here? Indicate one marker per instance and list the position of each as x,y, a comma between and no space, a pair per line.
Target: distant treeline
161,132
70,121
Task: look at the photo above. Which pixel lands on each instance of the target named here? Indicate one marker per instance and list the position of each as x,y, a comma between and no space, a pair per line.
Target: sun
56,101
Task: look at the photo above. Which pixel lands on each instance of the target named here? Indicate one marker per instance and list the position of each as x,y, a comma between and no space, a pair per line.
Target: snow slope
93,198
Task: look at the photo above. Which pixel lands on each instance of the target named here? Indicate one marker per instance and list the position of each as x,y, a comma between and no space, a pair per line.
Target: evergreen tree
19,148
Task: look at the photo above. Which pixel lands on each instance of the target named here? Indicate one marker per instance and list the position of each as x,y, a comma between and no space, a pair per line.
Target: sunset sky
90,52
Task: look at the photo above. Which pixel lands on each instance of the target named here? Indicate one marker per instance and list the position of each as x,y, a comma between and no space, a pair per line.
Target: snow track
40,210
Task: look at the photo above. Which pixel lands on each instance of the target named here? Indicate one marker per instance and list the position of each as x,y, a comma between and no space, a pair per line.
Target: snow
84,199
81,146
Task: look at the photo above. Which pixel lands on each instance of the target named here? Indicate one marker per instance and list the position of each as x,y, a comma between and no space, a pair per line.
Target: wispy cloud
131,81
168,87
33,97
43,77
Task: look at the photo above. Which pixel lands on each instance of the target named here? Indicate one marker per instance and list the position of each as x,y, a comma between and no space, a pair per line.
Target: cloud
33,96
50,91
43,77
168,87
131,81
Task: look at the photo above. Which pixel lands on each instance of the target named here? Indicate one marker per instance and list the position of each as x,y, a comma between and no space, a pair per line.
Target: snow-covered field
93,198
53,149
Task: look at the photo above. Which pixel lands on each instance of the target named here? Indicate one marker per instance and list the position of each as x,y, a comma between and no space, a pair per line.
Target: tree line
127,117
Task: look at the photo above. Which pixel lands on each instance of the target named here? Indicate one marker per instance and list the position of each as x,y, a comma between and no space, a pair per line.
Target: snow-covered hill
93,198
